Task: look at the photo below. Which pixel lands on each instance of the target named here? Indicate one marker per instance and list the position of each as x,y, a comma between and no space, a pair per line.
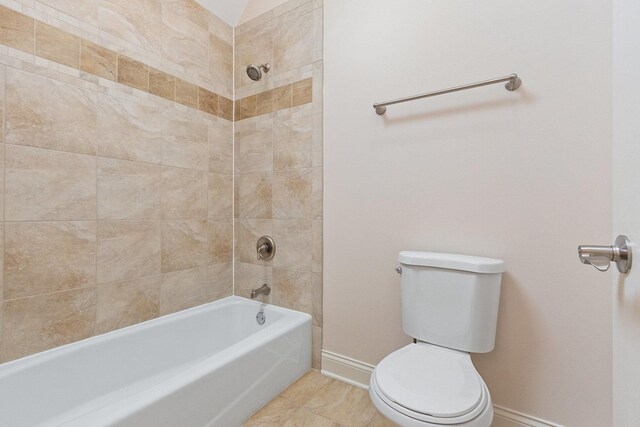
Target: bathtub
212,365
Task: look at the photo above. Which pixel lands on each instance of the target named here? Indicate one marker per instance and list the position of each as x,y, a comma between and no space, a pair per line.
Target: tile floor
319,401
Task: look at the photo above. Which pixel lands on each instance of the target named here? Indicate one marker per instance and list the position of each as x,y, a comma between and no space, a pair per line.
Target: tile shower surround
278,158
118,174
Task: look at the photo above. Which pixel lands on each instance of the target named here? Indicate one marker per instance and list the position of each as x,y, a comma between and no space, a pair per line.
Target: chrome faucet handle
262,250
600,257
265,248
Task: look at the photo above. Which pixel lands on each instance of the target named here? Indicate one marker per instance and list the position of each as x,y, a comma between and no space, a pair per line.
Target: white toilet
450,307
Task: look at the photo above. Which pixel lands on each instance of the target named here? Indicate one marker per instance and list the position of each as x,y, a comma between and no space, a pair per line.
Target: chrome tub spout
262,290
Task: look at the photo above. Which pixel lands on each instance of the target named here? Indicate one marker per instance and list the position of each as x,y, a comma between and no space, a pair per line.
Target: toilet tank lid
470,263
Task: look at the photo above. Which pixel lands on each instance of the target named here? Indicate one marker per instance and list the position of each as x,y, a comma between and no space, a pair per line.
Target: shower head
255,71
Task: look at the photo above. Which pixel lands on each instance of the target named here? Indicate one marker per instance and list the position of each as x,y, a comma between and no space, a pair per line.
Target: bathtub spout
262,290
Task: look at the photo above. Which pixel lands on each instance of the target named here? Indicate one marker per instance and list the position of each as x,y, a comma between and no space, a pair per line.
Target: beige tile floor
319,401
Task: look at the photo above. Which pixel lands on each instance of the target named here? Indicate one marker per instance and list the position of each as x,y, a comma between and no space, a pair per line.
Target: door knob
601,257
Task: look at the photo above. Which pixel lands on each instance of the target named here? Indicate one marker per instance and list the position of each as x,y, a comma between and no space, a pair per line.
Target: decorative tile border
35,37
276,99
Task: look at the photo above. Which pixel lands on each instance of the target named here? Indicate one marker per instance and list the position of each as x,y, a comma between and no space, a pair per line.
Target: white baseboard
358,374
505,417
347,370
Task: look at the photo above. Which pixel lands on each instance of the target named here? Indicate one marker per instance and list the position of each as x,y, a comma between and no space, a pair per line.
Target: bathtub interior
43,388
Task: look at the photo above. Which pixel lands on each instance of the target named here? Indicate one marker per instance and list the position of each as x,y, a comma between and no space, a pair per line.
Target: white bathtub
212,365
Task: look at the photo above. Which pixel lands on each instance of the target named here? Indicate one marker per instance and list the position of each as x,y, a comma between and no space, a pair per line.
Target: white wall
238,12
626,149
229,11
256,8
522,176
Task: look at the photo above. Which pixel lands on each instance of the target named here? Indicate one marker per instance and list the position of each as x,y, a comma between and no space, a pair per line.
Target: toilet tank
451,300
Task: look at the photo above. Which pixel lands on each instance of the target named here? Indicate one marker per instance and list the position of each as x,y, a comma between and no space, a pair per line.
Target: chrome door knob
600,257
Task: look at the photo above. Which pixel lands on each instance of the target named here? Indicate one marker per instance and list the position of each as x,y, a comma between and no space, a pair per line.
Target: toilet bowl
450,308
426,385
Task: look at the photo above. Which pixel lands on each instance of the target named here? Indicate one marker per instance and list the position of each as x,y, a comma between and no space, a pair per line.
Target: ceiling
228,10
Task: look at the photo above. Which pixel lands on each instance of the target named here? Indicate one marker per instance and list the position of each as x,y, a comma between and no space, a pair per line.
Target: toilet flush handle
398,270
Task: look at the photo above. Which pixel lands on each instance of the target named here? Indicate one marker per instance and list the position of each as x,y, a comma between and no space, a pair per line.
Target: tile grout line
317,391
233,160
162,217
97,156
95,319
4,181
97,285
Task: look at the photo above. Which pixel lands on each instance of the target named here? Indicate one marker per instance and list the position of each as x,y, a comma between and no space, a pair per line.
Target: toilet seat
431,385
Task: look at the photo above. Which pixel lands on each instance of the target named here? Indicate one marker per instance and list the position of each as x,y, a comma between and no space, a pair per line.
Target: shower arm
513,83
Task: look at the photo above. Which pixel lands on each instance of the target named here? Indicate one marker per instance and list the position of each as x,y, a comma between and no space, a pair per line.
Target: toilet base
482,420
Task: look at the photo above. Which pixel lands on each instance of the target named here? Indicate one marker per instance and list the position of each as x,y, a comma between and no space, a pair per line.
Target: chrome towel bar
513,83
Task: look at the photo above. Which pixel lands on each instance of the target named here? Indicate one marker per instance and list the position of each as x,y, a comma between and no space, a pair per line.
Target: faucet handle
262,250
265,248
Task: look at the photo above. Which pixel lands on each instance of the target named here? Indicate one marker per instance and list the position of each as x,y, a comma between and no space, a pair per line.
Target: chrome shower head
255,71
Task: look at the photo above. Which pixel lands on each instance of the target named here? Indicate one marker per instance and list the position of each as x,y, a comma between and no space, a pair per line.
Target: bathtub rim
23,363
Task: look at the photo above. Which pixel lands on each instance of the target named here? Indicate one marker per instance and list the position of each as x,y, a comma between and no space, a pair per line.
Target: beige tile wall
118,192
117,200
178,37
278,158
62,47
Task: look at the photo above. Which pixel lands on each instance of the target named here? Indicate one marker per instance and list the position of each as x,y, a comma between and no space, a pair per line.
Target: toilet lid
430,380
